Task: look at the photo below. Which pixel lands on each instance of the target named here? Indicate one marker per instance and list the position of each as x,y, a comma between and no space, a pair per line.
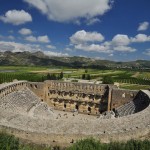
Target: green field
127,79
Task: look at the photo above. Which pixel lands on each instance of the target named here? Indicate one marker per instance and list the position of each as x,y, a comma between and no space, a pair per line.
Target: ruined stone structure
82,97
51,112
68,96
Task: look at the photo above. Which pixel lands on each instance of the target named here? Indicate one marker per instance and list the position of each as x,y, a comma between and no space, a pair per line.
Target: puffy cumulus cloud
120,40
93,42
87,41
16,17
140,38
93,48
71,10
143,26
68,49
41,39
31,38
51,47
124,49
25,31
83,37
19,47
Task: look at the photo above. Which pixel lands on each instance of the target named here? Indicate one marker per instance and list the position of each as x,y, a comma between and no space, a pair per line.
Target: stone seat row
20,101
131,107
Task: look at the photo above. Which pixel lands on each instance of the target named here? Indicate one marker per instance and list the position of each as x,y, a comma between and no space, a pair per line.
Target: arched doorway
65,105
89,109
77,107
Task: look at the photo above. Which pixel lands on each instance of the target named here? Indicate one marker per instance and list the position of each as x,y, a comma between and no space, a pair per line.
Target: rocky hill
39,59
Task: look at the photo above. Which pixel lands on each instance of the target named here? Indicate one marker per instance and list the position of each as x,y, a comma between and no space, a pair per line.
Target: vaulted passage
76,107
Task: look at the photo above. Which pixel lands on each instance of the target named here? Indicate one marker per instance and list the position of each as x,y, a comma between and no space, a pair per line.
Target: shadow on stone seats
141,101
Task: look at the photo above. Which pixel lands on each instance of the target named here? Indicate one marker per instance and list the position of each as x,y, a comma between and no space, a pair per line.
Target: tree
86,71
108,80
61,75
88,77
83,76
48,76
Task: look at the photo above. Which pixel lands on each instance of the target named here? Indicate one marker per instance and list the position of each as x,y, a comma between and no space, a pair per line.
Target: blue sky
103,29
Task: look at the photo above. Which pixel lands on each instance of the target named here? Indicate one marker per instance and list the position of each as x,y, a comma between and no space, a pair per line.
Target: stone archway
65,105
89,109
77,107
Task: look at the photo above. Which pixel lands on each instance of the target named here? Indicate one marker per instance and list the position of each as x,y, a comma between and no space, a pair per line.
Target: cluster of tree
9,77
86,77
9,142
108,80
92,144
54,76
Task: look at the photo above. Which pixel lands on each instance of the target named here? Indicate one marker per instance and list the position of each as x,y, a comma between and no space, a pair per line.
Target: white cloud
25,31
51,47
40,39
16,17
91,42
68,49
120,40
93,48
92,21
19,47
87,41
140,38
147,52
124,49
43,39
143,26
111,55
56,54
83,37
71,10
31,38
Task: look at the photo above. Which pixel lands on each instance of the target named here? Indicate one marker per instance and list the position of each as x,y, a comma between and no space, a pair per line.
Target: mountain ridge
40,59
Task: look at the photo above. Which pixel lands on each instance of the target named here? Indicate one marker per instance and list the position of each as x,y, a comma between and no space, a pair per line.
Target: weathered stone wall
81,97
68,96
39,88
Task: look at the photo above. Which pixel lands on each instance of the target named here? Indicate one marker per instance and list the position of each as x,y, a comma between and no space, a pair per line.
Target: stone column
109,99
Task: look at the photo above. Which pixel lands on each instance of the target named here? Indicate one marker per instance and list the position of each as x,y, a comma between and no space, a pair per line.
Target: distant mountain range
39,59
